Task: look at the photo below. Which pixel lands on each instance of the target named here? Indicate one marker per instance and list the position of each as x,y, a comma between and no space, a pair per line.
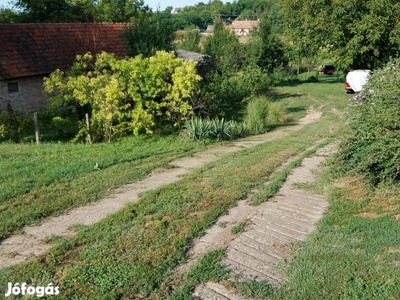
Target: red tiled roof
39,49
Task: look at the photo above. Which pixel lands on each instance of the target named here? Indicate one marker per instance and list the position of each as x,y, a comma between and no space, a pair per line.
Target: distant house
28,52
177,10
244,27
209,30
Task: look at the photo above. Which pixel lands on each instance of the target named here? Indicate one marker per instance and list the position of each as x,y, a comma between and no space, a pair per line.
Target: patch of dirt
359,250
312,115
328,150
355,187
368,215
338,113
393,250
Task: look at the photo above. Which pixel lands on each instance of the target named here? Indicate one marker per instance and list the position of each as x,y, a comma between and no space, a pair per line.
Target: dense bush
371,144
226,94
136,94
235,74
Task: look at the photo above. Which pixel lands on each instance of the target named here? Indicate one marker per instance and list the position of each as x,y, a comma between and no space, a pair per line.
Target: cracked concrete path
29,244
260,251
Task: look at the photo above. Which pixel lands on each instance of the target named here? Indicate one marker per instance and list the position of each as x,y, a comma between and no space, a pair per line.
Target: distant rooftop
245,24
39,49
189,55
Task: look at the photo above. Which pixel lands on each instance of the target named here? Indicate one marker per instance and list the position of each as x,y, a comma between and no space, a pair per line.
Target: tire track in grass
30,243
258,253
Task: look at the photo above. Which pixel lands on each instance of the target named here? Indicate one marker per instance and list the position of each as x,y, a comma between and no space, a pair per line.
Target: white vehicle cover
357,79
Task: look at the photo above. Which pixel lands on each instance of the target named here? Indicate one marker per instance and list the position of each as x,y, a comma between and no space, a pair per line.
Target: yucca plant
197,128
238,129
220,129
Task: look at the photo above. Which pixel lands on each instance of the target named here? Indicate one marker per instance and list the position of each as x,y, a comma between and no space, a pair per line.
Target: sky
174,3
151,3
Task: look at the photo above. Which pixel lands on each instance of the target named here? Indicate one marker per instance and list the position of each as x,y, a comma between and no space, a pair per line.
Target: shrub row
371,142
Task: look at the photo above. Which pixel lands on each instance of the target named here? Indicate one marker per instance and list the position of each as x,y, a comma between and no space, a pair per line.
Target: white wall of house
29,96
242,31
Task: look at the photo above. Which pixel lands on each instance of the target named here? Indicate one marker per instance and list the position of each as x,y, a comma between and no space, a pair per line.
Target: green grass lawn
131,254
37,181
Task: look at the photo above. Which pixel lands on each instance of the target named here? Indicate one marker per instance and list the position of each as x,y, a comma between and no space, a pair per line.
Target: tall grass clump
238,129
276,114
261,111
371,143
257,114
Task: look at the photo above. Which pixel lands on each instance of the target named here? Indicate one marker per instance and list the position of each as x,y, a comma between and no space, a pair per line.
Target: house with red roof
29,52
244,27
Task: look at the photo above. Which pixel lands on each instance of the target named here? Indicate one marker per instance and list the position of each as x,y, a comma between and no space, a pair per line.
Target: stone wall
30,96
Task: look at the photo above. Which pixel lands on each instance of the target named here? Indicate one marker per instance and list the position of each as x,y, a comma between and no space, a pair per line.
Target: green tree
217,8
150,32
202,14
199,18
358,34
224,48
97,89
235,78
119,10
8,15
138,94
265,48
247,14
190,40
55,11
